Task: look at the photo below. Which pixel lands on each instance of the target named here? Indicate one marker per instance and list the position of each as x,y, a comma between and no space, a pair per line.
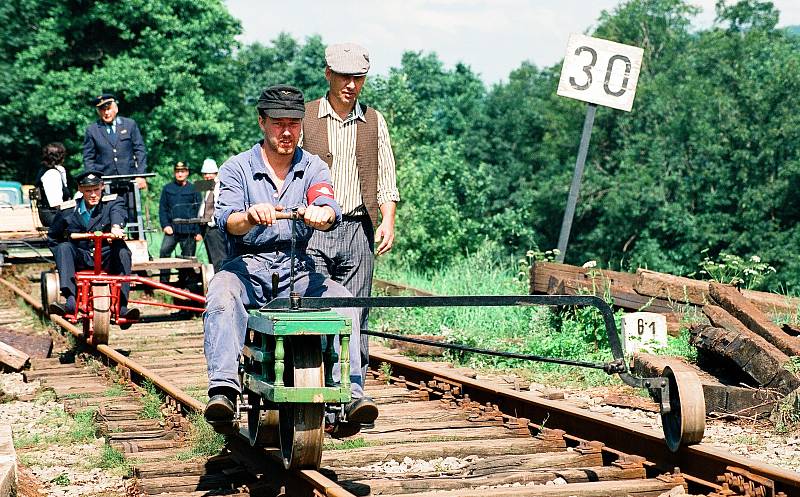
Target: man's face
281,134
344,89
209,176
108,112
91,194
181,175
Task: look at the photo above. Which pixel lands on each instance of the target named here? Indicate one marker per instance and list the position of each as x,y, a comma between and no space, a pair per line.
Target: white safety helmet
209,166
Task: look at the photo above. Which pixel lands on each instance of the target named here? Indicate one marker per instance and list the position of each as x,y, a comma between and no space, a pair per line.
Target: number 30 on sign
600,71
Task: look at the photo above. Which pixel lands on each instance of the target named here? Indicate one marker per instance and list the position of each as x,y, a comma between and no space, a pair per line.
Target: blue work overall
245,281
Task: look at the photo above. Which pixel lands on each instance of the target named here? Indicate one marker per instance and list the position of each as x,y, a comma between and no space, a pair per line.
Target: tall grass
572,334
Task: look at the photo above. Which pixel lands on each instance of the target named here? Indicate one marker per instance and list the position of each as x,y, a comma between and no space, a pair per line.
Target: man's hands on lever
315,216
318,217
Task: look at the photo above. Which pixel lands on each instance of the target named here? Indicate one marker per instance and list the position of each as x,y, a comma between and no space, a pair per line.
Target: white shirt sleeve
51,182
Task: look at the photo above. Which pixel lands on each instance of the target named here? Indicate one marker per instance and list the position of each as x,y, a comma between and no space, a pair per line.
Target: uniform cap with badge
180,166
89,178
347,58
103,99
281,101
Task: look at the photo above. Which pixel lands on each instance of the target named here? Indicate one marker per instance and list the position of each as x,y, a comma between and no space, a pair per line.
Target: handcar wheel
49,288
101,317
207,272
262,424
301,424
686,421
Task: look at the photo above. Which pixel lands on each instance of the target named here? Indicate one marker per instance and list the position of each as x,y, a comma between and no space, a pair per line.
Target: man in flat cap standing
91,212
353,140
274,175
113,145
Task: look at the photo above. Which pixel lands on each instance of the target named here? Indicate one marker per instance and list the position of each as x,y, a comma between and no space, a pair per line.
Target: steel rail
317,480
700,463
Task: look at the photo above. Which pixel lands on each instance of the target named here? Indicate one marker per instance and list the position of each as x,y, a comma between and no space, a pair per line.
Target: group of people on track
329,159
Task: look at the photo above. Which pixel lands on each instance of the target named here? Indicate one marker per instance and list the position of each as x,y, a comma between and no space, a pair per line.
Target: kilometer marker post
619,66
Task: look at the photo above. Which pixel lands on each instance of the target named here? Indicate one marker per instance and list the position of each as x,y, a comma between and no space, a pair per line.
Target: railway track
440,432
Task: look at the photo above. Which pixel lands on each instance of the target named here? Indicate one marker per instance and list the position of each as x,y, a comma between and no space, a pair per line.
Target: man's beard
281,149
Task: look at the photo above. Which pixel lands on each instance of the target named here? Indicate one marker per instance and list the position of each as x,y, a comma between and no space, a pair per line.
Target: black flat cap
282,101
103,99
89,178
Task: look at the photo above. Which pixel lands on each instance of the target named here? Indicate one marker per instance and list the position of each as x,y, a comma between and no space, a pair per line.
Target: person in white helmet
214,240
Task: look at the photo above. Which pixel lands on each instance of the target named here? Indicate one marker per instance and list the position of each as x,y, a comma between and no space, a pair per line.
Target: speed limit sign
601,72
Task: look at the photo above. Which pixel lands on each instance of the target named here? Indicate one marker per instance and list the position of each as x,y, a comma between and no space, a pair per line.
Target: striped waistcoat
315,140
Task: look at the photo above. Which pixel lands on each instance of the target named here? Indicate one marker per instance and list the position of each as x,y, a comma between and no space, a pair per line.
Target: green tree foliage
706,163
429,110
285,61
168,61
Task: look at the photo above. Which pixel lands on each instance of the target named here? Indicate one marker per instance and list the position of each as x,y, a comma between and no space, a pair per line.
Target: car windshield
9,196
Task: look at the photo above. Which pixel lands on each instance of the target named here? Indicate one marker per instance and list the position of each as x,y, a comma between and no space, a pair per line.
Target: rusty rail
320,483
700,463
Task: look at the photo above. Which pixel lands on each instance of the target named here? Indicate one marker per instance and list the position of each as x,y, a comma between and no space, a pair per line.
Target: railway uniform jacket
179,202
124,154
110,210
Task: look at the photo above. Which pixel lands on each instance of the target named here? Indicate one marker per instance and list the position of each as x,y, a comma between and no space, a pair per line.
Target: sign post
599,72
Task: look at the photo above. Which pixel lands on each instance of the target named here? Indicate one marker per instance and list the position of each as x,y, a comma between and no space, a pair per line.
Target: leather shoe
220,413
60,309
130,315
56,308
361,411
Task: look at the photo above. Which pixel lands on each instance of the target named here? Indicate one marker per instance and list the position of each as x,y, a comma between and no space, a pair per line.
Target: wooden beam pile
739,334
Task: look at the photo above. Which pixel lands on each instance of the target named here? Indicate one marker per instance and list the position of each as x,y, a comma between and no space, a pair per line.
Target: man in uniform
275,175
353,140
179,200
91,212
214,241
113,145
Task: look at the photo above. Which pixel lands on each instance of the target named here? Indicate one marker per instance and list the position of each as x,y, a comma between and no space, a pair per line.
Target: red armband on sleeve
319,190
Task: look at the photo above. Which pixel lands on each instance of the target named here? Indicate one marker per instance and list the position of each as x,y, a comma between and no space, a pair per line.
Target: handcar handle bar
128,176
98,237
95,235
617,366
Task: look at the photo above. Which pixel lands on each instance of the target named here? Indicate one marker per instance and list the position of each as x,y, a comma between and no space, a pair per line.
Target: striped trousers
346,255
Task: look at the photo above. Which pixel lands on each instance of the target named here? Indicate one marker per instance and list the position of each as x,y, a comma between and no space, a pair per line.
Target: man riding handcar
91,212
